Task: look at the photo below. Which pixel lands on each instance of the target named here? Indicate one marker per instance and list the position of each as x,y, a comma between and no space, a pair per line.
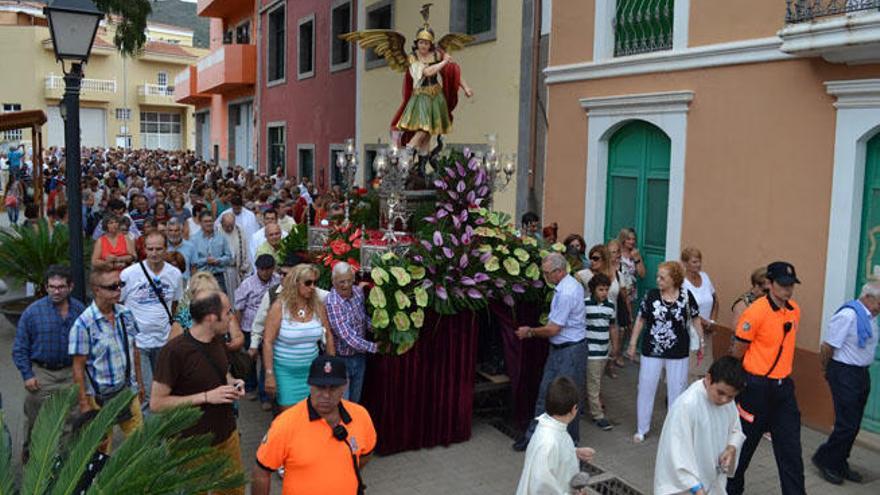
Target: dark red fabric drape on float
523,359
424,398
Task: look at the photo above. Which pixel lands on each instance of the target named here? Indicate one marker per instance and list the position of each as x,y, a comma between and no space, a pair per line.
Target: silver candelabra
347,163
393,165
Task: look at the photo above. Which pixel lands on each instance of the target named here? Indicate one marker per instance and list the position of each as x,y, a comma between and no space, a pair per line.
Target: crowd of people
195,302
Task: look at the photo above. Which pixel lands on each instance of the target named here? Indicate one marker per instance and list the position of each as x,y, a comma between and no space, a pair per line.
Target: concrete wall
491,68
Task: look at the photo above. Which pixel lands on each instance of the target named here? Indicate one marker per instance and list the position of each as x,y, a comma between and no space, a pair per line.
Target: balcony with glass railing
840,31
90,89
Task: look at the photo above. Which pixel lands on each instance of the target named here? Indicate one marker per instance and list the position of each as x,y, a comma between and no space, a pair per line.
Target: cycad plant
152,460
26,252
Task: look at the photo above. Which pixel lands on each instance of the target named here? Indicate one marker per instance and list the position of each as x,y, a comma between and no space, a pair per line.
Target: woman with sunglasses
600,262
295,325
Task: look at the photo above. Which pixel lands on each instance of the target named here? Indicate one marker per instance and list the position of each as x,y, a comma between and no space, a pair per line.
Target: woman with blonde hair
295,325
199,282
622,305
698,283
666,312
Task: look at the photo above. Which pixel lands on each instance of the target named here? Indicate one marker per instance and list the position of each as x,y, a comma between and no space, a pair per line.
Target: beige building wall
492,69
27,52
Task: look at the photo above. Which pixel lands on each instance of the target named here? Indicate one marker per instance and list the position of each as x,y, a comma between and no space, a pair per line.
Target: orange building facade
222,85
748,129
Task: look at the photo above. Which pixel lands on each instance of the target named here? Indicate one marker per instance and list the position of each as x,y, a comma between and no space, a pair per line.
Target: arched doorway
869,262
638,191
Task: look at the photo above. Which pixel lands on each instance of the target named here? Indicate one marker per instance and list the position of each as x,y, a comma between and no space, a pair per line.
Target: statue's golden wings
385,42
454,41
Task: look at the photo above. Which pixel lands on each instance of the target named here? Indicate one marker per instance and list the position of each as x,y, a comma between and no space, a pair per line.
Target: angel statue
431,82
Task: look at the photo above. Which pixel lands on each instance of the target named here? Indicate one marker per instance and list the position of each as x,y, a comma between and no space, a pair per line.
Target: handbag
102,398
695,341
11,201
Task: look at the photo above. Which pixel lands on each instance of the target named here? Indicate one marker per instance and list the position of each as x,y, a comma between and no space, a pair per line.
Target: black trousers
770,405
850,386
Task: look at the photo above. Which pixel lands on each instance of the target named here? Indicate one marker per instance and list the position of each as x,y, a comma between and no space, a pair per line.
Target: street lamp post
72,26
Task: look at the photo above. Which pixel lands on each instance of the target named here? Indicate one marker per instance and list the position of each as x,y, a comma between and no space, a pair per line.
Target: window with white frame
340,23
474,17
123,114
305,161
277,48
306,47
277,149
160,130
13,135
379,15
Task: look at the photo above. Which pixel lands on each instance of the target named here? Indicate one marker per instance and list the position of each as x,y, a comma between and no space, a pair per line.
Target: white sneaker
638,438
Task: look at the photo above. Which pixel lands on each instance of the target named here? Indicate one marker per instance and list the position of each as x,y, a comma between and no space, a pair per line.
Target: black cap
327,371
782,273
265,261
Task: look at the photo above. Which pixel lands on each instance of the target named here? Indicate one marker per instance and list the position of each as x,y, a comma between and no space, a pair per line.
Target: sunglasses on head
113,287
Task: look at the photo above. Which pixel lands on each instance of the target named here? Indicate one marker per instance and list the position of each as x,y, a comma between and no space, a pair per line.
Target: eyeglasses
113,287
308,283
57,287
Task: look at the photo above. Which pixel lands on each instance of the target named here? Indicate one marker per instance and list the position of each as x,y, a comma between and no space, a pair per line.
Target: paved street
486,464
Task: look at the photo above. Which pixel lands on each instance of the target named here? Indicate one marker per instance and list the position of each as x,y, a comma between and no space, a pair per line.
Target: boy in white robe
551,458
702,437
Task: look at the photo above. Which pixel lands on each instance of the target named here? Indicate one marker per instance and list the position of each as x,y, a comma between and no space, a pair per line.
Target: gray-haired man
566,330
349,322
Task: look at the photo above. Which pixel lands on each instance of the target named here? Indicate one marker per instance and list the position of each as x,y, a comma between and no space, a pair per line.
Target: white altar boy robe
695,433
551,460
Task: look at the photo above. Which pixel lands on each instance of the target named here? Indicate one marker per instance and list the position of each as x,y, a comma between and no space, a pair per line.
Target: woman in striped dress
296,323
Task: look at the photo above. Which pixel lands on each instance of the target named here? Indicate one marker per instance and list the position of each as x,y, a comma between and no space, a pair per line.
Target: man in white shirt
847,352
702,436
141,295
551,457
244,218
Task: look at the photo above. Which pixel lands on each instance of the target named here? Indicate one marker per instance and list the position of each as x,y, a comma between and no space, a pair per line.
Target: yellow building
124,101
492,66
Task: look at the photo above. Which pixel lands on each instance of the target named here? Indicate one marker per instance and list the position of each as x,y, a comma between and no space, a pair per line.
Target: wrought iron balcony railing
809,10
642,26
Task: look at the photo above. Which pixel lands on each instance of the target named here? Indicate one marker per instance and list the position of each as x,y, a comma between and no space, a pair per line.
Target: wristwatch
530,333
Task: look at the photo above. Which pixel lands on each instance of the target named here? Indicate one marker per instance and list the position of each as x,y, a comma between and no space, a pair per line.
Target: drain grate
612,486
592,470
506,428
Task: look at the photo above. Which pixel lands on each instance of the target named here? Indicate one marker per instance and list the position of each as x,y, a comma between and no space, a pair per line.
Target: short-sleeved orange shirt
316,463
763,326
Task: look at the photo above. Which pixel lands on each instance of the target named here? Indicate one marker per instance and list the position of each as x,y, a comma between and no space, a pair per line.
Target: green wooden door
638,191
869,263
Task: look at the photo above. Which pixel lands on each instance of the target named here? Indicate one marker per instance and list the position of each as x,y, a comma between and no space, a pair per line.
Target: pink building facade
306,88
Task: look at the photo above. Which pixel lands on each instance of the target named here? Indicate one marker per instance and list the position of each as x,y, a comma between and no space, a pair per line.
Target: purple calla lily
518,288
461,171
485,257
468,281
460,187
453,195
441,292
449,172
500,283
438,238
448,252
481,277
442,213
439,184
427,245
471,197
474,294
508,300
463,261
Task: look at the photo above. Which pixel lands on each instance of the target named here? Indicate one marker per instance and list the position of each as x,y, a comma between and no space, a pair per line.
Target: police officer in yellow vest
765,340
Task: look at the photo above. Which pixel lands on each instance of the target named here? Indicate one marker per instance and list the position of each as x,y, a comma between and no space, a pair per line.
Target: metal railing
148,89
642,26
808,10
90,85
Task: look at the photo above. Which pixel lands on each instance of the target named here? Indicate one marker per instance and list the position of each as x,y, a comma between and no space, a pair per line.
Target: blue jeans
568,361
356,367
149,358
850,386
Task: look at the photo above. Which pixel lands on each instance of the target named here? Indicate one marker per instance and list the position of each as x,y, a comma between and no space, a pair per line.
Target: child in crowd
600,321
551,458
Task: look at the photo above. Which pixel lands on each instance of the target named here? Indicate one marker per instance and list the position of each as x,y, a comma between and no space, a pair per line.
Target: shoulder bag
157,292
